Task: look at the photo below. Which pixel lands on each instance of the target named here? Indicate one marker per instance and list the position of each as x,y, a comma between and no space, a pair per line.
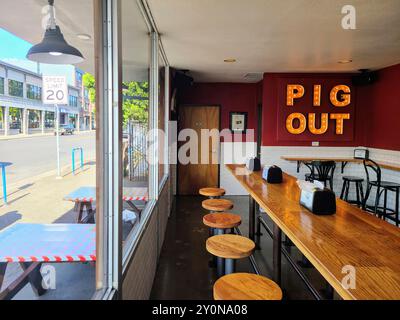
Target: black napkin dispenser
253,164
319,201
272,174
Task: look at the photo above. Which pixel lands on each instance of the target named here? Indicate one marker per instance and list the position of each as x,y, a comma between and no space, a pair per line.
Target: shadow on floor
183,271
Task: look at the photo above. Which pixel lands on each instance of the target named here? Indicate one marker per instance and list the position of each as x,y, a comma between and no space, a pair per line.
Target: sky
13,50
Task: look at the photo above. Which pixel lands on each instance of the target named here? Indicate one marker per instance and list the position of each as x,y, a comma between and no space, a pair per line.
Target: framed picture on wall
238,122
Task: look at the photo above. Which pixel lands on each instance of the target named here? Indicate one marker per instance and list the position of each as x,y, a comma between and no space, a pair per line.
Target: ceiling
76,17
262,35
275,36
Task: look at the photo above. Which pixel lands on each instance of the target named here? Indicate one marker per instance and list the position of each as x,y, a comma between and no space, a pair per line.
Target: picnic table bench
85,196
31,245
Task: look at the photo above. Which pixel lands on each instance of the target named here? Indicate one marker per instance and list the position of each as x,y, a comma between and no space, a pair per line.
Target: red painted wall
383,105
240,97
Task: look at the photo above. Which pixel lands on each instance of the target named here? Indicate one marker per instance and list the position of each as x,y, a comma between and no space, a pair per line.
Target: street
34,156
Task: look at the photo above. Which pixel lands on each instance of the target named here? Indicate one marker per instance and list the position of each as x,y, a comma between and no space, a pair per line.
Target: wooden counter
349,237
344,161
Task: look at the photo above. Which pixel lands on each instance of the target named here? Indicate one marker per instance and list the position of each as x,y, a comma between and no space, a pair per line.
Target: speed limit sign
55,90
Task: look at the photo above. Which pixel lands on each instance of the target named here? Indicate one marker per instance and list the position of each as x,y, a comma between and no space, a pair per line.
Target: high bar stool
212,193
221,222
382,188
344,195
246,286
229,248
217,205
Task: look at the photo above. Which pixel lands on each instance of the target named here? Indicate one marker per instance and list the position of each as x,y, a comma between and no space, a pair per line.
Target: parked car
65,129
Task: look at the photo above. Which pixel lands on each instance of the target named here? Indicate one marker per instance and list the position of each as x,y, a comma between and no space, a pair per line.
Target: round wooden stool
220,222
217,205
212,193
246,286
228,248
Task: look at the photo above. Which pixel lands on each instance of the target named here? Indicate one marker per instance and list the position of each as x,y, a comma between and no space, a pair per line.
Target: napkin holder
253,164
320,201
272,174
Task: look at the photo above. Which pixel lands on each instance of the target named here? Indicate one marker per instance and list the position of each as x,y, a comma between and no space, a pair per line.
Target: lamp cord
52,20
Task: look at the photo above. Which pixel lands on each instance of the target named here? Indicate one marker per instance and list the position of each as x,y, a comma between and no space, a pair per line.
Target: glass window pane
161,118
135,108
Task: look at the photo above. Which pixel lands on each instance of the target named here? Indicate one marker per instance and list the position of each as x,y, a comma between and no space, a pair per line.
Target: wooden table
351,237
343,161
84,197
31,244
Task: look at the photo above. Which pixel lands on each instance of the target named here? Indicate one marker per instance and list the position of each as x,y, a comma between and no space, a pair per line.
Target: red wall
383,103
240,97
376,111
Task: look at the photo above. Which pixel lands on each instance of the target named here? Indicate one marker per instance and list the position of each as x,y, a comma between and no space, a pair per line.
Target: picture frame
238,122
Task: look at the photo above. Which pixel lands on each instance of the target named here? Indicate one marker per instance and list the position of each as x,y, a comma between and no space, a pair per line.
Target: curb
30,136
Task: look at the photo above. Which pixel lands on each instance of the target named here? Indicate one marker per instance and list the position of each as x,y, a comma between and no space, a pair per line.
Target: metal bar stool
382,188
344,195
217,205
221,223
321,171
212,193
229,247
246,286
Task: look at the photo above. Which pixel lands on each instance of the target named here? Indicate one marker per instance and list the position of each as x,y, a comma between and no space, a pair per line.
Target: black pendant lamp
54,49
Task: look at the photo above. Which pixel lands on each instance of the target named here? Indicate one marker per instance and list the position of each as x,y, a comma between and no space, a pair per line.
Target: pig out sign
316,111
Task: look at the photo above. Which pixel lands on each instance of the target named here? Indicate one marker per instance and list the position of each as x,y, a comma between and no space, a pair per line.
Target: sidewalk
34,135
41,201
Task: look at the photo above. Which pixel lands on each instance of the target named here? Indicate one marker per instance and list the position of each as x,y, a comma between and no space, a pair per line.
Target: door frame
197,105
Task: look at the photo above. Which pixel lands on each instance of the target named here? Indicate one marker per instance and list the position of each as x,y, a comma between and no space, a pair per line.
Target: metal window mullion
166,119
153,116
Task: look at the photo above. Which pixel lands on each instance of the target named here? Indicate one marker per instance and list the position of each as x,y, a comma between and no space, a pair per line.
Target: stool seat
230,246
212,192
222,220
217,204
246,286
353,179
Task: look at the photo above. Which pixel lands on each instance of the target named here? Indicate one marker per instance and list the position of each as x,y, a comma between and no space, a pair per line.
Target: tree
89,83
135,101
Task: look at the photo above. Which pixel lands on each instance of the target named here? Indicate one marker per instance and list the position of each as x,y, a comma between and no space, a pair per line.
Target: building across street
22,110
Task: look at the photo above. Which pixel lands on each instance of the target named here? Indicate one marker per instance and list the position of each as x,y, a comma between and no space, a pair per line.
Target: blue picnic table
3,166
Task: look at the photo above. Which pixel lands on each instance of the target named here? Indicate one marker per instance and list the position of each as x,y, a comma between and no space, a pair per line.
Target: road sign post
55,91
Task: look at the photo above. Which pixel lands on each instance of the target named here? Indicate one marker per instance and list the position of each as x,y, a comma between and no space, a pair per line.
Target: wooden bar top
382,164
351,237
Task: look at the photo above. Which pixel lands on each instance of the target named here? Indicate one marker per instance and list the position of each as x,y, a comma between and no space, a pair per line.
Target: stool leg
397,206
230,266
362,194
358,194
220,267
378,195
384,204
343,188
346,196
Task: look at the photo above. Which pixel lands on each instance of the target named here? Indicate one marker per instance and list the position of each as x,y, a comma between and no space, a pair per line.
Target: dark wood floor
183,271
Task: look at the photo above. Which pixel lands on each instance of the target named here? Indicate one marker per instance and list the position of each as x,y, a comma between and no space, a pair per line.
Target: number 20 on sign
55,90
297,91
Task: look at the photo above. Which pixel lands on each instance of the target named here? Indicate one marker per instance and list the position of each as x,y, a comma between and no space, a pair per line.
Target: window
136,119
15,88
73,101
33,92
1,85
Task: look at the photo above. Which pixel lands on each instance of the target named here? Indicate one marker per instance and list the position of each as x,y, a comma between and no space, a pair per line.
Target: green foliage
135,104
90,83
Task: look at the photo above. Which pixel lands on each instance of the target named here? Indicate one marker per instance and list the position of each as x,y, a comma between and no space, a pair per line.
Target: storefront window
161,120
15,88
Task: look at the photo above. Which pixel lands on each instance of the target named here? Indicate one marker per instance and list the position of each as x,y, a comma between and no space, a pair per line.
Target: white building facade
22,110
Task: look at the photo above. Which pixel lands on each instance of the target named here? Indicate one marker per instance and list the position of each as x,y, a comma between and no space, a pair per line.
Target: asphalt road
37,155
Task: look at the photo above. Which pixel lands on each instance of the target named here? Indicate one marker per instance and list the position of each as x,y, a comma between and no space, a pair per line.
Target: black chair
382,187
344,195
321,171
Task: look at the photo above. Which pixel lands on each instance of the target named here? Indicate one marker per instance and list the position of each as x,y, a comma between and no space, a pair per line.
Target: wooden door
193,176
